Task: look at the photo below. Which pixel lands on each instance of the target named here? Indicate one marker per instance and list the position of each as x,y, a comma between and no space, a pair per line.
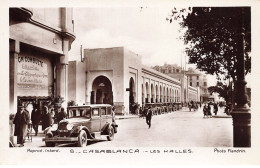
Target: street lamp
241,113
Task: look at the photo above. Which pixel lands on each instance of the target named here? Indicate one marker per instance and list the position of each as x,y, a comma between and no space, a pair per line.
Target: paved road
176,129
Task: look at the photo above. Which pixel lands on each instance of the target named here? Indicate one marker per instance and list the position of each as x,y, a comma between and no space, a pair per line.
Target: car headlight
54,127
69,126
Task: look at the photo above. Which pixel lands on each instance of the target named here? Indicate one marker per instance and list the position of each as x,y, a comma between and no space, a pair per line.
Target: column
14,53
62,74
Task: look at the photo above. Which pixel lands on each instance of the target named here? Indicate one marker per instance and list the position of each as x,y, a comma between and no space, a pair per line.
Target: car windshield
80,112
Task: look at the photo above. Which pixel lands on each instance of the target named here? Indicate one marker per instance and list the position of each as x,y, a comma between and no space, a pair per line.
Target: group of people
23,120
193,105
207,110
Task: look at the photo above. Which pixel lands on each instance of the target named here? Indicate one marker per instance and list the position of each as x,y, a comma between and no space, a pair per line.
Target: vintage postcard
133,82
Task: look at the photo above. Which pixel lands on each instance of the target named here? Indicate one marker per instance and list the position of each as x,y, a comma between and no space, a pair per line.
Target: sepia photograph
162,79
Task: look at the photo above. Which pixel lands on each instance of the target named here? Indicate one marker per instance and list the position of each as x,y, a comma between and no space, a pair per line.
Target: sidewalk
130,116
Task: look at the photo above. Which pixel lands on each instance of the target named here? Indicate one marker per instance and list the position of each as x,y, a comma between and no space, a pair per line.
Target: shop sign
32,73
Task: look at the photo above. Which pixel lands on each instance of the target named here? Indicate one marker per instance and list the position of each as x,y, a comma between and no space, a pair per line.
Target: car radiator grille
62,130
62,126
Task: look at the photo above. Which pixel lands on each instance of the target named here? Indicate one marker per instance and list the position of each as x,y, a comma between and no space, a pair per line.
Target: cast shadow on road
187,111
75,144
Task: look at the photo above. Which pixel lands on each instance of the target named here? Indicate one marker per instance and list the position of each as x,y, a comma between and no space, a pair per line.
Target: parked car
83,123
153,107
158,107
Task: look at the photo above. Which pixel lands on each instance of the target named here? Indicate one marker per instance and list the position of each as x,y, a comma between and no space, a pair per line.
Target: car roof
91,106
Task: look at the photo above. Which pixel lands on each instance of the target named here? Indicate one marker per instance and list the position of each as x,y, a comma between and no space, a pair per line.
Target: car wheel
82,138
111,133
49,144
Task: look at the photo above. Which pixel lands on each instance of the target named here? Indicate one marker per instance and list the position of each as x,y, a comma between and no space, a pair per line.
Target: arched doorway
152,94
161,94
167,95
157,94
175,96
101,91
147,99
143,94
164,95
132,95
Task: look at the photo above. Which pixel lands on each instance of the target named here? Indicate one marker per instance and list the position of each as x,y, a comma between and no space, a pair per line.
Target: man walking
21,121
36,117
215,108
149,116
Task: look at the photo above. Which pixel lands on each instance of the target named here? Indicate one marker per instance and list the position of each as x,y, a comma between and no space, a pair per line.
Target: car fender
79,128
47,130
106,128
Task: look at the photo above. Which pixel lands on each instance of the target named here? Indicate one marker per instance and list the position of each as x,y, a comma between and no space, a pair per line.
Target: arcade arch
101,91
147,92
152,94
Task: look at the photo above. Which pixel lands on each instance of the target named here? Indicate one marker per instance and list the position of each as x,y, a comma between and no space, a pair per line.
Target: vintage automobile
158,108
153,107
83,123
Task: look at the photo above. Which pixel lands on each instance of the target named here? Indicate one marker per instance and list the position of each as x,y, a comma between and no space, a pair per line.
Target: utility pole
241,113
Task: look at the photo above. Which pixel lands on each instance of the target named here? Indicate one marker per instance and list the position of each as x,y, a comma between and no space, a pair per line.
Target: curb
222,116
126,117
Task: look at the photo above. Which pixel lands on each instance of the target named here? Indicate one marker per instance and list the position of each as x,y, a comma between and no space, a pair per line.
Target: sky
143,31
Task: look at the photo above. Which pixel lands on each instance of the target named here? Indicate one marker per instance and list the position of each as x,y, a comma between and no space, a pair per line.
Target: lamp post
241,114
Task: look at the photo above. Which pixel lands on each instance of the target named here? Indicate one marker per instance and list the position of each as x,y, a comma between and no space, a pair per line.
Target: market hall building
39,40
117,76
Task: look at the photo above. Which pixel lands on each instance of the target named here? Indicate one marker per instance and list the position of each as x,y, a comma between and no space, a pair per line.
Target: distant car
152,106
83,123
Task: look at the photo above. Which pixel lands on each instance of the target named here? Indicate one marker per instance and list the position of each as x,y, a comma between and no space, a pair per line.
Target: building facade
40,39
197,79
117,76
190,78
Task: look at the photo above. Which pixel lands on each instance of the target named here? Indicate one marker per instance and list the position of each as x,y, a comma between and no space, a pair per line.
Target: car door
95,120
106,117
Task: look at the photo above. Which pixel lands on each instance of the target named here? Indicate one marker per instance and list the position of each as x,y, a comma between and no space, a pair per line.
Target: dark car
152,106
83,123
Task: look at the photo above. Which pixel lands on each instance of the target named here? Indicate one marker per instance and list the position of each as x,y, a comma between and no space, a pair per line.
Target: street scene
180,128
164,77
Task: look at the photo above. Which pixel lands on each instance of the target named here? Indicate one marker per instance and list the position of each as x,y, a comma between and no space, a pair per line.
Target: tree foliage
212,35
222,89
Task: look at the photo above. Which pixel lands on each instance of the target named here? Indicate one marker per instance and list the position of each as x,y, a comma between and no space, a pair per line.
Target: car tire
111,133
82,138
49,144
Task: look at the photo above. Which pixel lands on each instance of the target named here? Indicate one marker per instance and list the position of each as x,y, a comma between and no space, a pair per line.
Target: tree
223,90
211,35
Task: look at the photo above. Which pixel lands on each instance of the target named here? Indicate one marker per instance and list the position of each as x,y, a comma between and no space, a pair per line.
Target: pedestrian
21,121
52,113
113,113
195,106
61,115
36,118
215,109
140,112
189,104
149,117
209,110
205,111
46,118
